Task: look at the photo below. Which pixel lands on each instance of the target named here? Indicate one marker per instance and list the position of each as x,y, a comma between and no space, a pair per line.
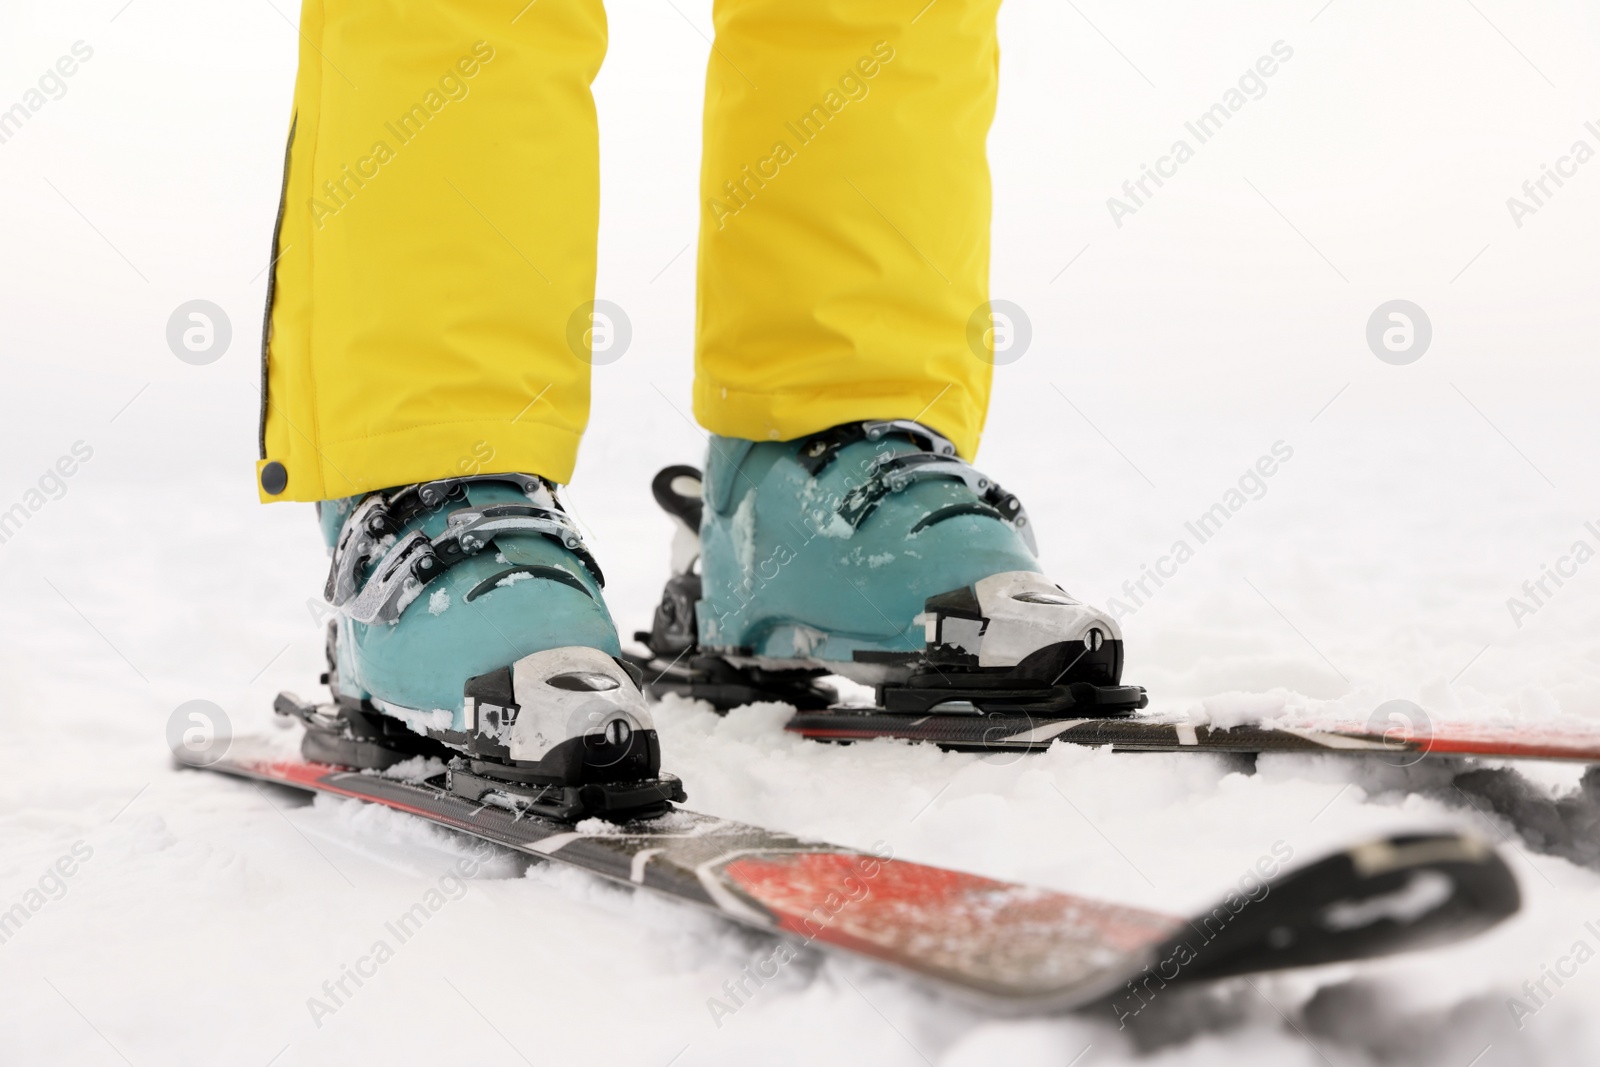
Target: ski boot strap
821,448
400,569
894,472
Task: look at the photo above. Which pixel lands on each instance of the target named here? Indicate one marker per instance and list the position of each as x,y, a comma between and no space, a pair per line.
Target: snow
832,524
743,535
415,769
422,721
1168,355
410,589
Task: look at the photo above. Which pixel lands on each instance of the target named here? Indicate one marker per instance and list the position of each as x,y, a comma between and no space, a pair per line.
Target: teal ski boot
870,551
470,628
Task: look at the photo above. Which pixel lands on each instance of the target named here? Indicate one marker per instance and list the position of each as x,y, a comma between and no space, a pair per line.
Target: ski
1153,734
990,675
1009,948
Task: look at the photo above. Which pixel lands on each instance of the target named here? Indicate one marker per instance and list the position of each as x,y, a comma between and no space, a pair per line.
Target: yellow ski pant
429,309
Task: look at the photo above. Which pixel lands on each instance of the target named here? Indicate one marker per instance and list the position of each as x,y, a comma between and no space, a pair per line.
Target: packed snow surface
1417,540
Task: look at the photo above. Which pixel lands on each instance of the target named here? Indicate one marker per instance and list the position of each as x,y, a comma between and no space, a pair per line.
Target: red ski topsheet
948,921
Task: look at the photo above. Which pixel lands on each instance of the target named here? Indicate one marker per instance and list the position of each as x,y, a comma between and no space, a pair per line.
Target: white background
1172,352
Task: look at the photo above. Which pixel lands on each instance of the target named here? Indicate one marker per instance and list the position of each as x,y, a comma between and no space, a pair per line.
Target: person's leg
844,369
435,264
844,239
437,236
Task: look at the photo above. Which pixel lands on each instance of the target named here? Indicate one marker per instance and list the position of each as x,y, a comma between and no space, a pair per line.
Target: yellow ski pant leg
844,237
436,250
436,246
